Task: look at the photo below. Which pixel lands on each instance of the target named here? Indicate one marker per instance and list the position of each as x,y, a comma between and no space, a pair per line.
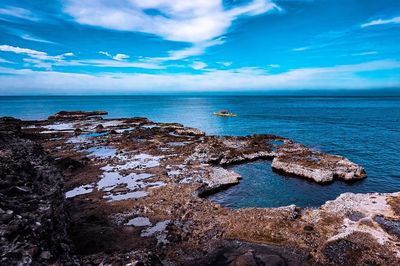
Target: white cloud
41,59
2,60
193,50
365,53
118,57
395,20
198,65
192,21
68,54
17,12
341,76
274,65
28,52
225,63
36,58
29,37
300,49
105,53
110,63
18,50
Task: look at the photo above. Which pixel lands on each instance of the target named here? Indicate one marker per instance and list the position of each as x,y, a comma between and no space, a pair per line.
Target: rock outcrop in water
133,191
75,115
298,160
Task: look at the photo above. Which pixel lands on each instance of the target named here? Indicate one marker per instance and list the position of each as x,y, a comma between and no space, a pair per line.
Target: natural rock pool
263,187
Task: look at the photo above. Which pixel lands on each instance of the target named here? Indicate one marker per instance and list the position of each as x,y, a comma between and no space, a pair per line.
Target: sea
366,130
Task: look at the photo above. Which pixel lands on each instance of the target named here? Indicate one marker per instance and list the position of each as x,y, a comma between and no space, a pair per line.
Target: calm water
366,130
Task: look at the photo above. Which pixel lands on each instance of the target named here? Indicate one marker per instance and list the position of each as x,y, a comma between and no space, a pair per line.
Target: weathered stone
322,168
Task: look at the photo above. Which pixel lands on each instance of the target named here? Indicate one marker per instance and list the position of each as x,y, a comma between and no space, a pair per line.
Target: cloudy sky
123,46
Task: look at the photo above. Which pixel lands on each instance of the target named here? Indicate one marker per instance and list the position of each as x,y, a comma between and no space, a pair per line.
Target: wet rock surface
134,196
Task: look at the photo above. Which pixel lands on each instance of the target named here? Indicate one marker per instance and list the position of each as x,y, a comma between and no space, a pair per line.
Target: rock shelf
134,198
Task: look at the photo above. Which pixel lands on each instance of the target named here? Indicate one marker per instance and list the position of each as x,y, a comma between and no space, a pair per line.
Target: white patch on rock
60,126
369,205
85,189
110,180
157,228
111,123
139,221
130,195
139,161
102,152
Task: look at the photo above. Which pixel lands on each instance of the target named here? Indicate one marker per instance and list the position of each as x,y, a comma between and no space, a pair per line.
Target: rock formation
135,197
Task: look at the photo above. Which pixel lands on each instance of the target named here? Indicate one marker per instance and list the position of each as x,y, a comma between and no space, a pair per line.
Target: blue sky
128,46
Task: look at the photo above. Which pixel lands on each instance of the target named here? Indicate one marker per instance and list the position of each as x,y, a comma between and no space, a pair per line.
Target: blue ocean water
364,129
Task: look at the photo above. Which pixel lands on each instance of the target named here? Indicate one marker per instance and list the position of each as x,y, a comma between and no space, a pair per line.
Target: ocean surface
364,129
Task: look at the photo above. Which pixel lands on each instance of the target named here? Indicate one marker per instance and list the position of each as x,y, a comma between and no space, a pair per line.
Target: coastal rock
219,178
189,132
34,223
320,167
170,166
10,125
73,115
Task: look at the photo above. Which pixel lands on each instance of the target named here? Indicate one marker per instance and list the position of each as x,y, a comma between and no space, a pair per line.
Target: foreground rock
33,221
133,191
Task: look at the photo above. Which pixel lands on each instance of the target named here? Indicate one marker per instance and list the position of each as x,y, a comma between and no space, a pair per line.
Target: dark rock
390,226
31,193
45,255
77,131
99,128
355,216
242,253
68,164
308,228
73,115
343,252
246,259
10,125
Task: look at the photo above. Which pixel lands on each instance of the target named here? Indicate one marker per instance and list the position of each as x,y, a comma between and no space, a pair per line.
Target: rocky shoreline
134,193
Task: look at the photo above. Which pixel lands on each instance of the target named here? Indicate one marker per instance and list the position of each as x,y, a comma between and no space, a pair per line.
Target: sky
129,46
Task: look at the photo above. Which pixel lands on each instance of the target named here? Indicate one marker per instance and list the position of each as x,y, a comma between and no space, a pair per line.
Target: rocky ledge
320,167
134,195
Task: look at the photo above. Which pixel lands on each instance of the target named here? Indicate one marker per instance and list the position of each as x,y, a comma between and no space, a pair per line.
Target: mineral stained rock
134,197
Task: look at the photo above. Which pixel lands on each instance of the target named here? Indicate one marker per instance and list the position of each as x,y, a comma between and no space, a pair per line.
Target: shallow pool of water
262,187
